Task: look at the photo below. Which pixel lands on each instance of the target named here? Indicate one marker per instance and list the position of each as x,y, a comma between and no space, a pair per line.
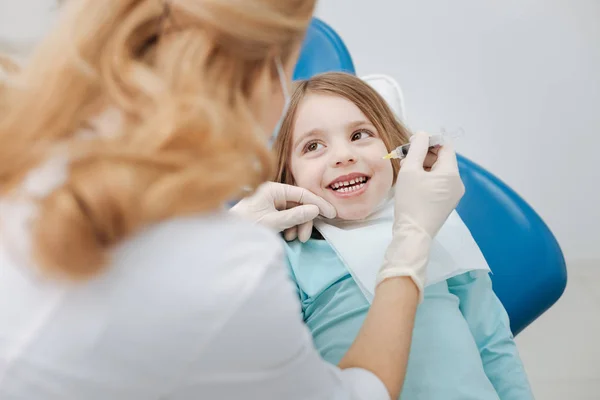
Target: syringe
400,152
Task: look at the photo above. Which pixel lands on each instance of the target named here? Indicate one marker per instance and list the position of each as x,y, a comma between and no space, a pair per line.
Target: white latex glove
423,202
284,208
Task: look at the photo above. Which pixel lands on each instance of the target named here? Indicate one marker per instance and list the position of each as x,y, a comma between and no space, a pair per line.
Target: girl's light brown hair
390,129
186,79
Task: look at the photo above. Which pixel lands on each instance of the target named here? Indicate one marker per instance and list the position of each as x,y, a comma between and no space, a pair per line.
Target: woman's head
194,87
333,140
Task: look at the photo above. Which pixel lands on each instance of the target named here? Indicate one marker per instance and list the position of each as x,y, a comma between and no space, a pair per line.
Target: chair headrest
391,92
324,50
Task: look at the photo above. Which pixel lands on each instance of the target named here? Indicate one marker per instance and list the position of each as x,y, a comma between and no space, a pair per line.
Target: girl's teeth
349,186
351,189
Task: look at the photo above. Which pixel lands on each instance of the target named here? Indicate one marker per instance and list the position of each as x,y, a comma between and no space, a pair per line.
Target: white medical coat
193,308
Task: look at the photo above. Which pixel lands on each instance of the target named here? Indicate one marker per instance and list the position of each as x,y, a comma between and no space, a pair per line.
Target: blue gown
462,345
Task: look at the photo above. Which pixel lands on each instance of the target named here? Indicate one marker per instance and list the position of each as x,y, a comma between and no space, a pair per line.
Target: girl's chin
353,213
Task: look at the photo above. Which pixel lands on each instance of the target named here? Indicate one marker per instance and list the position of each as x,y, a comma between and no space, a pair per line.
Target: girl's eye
312,146
360,135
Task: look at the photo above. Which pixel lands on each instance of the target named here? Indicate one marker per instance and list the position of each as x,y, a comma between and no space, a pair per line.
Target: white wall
521,77
22,23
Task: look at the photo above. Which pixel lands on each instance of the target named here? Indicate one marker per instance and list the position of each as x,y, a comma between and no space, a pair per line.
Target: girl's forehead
319,111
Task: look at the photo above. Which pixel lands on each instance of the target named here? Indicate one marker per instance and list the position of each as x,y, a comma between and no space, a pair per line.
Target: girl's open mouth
351,187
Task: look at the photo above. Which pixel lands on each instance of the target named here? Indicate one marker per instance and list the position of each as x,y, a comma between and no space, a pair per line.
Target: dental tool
400,152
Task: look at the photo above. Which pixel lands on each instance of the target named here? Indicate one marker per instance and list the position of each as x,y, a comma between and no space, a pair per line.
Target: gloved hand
284,208
423,202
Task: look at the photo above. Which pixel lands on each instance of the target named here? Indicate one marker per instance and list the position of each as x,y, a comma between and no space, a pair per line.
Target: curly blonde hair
183,78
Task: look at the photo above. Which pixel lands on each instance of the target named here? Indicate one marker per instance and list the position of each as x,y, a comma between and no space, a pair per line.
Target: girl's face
337,153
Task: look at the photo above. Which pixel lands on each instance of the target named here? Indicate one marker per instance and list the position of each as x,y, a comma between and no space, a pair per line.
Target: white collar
361,246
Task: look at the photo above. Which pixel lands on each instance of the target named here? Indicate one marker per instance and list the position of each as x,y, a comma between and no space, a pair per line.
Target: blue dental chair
528,268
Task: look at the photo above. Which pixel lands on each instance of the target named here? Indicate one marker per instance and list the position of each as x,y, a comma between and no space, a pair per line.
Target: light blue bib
444,361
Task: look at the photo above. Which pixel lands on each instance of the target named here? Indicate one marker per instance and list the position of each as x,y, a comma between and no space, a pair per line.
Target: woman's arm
383,343
489,324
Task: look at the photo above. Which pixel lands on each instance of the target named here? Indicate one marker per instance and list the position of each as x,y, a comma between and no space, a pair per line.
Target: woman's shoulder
216,239
168,291
193,272
205,249
212,228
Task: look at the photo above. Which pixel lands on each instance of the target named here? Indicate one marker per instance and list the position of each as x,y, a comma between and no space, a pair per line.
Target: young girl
332,142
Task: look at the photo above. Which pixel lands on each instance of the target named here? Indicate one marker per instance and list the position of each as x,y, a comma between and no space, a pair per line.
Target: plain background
521,78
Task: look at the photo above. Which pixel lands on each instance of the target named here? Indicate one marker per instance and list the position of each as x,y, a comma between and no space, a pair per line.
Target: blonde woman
121,274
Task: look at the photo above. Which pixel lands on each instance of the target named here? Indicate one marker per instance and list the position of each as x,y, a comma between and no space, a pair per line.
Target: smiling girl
332,142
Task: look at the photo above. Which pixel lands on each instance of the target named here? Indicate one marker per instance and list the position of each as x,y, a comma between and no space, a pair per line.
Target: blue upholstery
529,272
323,51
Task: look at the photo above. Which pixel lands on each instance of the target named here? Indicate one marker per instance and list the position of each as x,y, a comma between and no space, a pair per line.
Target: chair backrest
528,268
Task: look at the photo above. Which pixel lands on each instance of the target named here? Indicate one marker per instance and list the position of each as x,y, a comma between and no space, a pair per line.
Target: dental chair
528,268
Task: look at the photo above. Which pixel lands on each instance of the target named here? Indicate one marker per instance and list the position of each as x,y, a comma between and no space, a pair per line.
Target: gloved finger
446,159
303,196
282,220
290,234
305,231
431,158
435,149
419,147
292,204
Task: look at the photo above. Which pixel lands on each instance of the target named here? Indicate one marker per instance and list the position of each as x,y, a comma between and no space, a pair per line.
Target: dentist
121,275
